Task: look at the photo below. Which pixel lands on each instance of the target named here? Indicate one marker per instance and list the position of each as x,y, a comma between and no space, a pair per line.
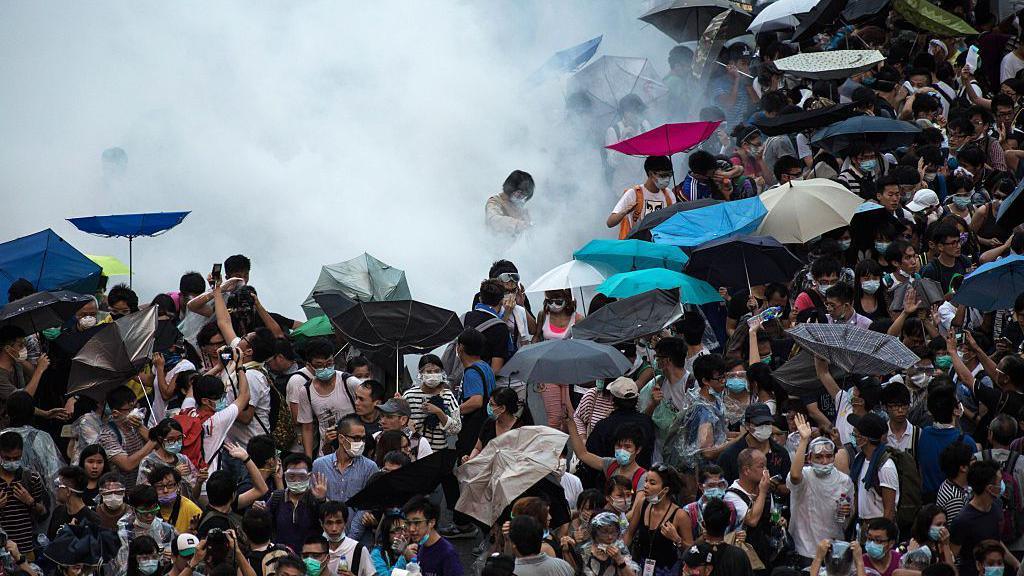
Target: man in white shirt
320,396
1012,63
342,551
209,401
878,486
654,194
902,434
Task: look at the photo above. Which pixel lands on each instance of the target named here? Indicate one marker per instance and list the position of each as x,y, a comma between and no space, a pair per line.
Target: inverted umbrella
993,286
630,318
573,274
805,120
798,375
610,78
565,362
743,260
928,292
691,290
113,355
1011,210
824,14
394,489
318,326
48,262
883,133
42,310
931,18
667,139
854,349
566,61
695,227
627,255
111,265
685,20
727,25
802,210
130,226
780,15
362,278
642,231
509,465
830,65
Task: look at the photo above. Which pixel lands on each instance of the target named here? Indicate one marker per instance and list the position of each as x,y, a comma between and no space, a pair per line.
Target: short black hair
161,471
21,407
824,267
207,387
258,525
263,344
674,348
120,396
331,507
657,164
705,367
11,441
981,474
896,393
19,289
9,334
942,402
784,164
122,293
420,504
491,292
191,283
317,348
499,267
716,517
972,155
261,449
297,458
841,291
701,162
143,496
377,391
629,431
472,341
518,181
953,457
692,327
356,362
236,264
74,475
884,524
220,487
526,534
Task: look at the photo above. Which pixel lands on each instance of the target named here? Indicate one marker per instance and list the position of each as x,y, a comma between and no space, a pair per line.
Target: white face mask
113,501
21,356
762,432
432,379
663,183
86,322
355,449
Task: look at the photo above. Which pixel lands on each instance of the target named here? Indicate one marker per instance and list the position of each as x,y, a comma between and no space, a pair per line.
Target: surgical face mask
935,533
822,287
962,202
113,501
881,247
714,493
762,432
623,456
334,539
173,447
10,465
86,322
490,412
870,286
930,177
663,183
944,362
432,379
875,550
222,403
149,566
355,449
518,199
621,504
844,245
21,356
298,486
993,571
869,165
766,359
168,499
822,470
556,306
324,374
920,380
654,498
736,384
312,566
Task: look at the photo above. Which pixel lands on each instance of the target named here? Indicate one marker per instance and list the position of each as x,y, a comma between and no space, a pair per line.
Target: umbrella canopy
863,8
928,292
856,350
1011,210
572,274
685,20
807,120
801,210
931,18
630,318
831,65
610,78
642,231
42,310
869,206
695,227
362,278
565,362
111,266
780,15
824,14
691,290
508,466
993,286
318,326
129,225
394,489
85,543
404,325
729,24
627,255
667,139
743,261
884,133
48,262
798,375
113,355
166,336
566,61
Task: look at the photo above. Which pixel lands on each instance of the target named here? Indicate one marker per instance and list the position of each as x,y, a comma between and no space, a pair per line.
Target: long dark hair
144,544
387,441
869,266
923,523
382,538
92,450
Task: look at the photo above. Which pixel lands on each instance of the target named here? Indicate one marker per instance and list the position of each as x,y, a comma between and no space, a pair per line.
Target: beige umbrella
802,210
507,467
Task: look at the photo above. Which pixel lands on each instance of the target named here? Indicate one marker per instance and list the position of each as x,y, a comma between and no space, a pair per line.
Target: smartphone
215,274
959,337
777,479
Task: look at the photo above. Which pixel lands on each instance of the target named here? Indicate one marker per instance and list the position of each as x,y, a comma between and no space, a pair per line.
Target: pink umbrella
667,139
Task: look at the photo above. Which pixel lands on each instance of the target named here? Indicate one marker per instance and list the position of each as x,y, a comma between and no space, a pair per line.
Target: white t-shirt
652,201
1010,65
813,504
347,549
869,502
738,504
259,397
844,408
215,431
327,409
573,487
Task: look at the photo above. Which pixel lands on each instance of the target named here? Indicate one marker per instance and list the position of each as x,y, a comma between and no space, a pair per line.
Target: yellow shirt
188,515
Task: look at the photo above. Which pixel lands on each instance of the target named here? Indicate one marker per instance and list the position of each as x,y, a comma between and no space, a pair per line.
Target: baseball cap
698,555
923,198
395,406
870,425
185,544
758,414
623,387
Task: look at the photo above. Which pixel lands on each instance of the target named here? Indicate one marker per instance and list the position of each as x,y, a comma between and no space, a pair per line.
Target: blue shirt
473,385
694,189
343,485
381,565
929,446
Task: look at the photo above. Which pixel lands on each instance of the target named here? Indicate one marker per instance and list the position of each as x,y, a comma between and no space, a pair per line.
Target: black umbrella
167,335
42,310
685,20
1011,211
823,14
742,260
808,120
394,489
642,231
882,133
565,362
863,8
114,355
631,318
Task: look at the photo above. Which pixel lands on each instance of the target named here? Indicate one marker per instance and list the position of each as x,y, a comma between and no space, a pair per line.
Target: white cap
623,387
924,198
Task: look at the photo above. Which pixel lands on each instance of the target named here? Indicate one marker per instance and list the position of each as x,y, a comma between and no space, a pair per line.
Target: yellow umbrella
111,266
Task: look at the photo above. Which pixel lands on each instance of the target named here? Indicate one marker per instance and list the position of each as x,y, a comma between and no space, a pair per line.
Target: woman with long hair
655,524
869,296
556,318
388,441
93,459
389,543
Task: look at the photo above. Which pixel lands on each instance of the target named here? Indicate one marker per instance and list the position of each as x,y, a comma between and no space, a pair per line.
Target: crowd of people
237,448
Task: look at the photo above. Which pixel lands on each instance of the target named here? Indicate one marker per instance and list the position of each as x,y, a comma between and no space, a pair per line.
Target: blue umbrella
129,226
628,255
884,133
48,262
695,227
993,286
691,290
566,61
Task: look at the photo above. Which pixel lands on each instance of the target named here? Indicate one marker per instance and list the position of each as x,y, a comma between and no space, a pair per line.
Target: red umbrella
667,139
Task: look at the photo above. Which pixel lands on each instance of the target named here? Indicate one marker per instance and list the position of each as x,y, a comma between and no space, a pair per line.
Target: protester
434,411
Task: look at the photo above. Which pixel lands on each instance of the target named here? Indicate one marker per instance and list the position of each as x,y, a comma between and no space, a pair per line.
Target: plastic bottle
413,568
844,500
765,315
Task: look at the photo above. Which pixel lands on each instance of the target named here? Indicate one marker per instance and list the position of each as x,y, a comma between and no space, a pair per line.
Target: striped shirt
594,406
116,441
16,517
952,499
438,435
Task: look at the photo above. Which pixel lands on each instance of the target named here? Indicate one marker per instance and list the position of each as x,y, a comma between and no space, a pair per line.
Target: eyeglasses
416,521
355,438
296,474
508,277
165,486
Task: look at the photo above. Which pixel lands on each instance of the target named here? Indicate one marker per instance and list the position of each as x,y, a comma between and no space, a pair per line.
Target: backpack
283,431
1013,511
909,484
450,358
193,427
636,475
625,228
697,518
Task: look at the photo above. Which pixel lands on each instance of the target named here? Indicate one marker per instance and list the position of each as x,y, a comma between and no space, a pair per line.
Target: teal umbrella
691,290
364,279
629,255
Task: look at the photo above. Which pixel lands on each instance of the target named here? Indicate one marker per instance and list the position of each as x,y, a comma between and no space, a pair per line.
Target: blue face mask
869,165
175,447
622,456
993,571
766,359
875,550
935,533
962,202
490,412
714,493
324,374
844,245
736,384
881,247
148,566
221,404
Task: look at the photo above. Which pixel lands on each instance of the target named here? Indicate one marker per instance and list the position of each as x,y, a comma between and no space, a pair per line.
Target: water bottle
413,568
343,564
765,315
844,500
776,514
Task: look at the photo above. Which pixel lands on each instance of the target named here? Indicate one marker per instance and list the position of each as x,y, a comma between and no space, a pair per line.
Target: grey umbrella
565,362
685,20
42,310
631,318
113,355
856,350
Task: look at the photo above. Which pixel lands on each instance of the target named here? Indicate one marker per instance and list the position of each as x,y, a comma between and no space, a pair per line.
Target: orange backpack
625,228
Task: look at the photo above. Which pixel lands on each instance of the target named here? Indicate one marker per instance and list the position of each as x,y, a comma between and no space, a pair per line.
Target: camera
226,355
242,306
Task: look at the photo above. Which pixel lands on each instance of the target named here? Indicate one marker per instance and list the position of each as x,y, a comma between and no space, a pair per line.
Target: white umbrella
572,274
801,210
780,15
830,65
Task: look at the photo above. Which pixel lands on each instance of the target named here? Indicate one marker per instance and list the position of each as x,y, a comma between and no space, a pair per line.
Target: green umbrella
628,255
319,326
691,290
931,18
363,278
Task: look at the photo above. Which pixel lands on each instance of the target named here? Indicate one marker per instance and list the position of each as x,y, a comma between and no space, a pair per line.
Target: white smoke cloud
303,133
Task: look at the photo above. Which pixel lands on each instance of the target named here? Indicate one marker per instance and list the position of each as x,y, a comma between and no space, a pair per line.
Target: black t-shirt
61,517
970,527
1011,403
728,560
499,342
934,270
777,457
